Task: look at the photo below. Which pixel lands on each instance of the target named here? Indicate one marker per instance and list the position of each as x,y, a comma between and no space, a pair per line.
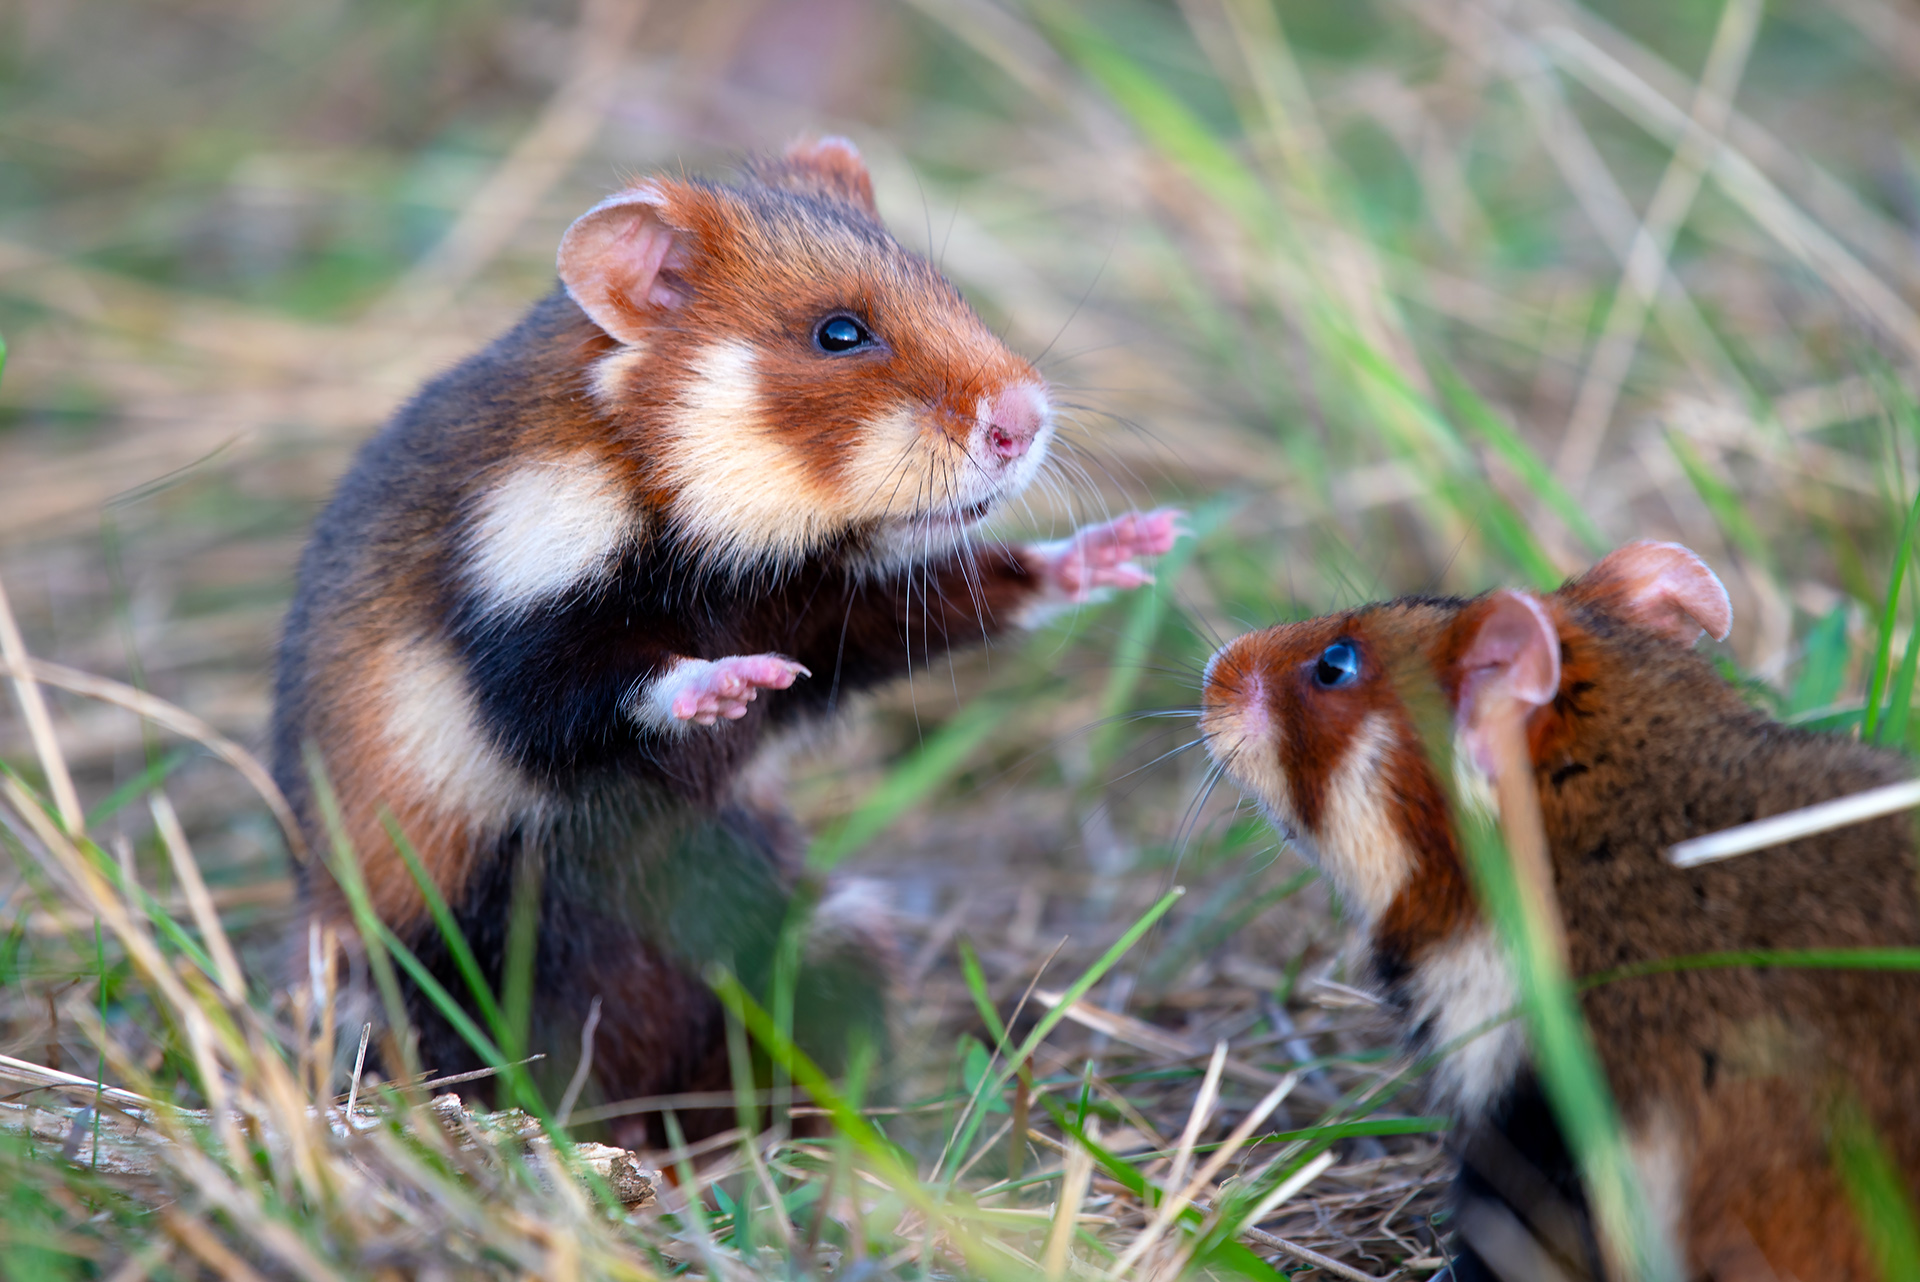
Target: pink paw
1103,556
705,691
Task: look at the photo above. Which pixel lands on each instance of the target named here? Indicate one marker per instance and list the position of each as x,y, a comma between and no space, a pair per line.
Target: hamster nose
1015,419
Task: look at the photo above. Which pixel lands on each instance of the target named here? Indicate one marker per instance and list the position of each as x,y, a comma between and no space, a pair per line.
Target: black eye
841,334
1339,665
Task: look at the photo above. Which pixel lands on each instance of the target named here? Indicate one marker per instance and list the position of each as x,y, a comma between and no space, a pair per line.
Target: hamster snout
1015,419
1233,703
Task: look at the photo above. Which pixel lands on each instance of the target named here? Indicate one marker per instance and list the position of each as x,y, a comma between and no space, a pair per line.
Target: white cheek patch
1361,848
1250,754
432,725
737,489
895,467
615,373
545,530
1458,988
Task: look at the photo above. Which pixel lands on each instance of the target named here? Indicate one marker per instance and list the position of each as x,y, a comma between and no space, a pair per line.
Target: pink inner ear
1666,588
1514,657
1516,652
611,259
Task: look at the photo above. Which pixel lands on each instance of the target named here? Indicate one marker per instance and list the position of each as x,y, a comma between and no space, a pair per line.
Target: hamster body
1733,1083
727,473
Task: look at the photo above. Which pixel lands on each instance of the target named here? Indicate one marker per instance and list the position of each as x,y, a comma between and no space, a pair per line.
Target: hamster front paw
1108,555
707,691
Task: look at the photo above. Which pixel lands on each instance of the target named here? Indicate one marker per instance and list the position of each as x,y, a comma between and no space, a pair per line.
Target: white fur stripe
434,727
1360,846
547,529
1460,986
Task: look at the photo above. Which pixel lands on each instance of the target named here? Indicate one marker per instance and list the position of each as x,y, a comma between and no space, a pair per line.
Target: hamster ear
617,260
1513,653
829,167
1662,587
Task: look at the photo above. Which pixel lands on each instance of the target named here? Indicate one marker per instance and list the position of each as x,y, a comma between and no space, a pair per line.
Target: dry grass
1440,294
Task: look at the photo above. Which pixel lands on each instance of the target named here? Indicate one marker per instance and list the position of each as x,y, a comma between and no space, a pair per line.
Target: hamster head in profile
1305,717
1321,721
796,381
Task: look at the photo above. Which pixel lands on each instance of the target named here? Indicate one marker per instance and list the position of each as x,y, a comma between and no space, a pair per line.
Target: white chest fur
1461,991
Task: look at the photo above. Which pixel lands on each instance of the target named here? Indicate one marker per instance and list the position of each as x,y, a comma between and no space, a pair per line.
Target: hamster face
1308,719
804,383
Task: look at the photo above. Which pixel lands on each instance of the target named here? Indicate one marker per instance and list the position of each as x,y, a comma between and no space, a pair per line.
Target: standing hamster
729,471
1732,1083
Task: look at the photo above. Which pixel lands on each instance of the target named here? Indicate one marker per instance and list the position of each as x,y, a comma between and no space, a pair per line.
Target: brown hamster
744,447
1729,1081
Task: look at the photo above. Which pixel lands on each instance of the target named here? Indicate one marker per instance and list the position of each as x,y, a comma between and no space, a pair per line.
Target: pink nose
1018,414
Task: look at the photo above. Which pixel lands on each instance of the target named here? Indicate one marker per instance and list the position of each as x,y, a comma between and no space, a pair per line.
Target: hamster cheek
742,490
1361,847
896,466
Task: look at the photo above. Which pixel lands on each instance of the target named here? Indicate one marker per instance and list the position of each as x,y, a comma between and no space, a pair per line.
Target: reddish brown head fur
770,439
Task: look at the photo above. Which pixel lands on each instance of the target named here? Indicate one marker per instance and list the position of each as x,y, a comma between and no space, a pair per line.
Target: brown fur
737,489
1643,745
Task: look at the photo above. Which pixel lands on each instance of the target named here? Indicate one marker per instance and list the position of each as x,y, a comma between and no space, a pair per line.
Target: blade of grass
344,863
1823,666
1729,509
884,1159
1517,891
1478,417
1893,727
970,1118
155,774
1145,614
1801,958
938,759
1879,1193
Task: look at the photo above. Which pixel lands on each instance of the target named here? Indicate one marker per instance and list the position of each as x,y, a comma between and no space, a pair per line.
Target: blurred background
1393,295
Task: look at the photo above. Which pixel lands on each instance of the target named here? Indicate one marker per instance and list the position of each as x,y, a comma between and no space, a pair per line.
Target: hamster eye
841,333
1339,665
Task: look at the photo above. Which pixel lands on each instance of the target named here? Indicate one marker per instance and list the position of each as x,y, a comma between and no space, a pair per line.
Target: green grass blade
1878,1191
344,864
1499,436
1823,665
1145,615
1799,958
939,758
1568,1063
1889,613
1565,1058
1168,123
1729,509
970,1120
1893,729
450,932
982,997
155,774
